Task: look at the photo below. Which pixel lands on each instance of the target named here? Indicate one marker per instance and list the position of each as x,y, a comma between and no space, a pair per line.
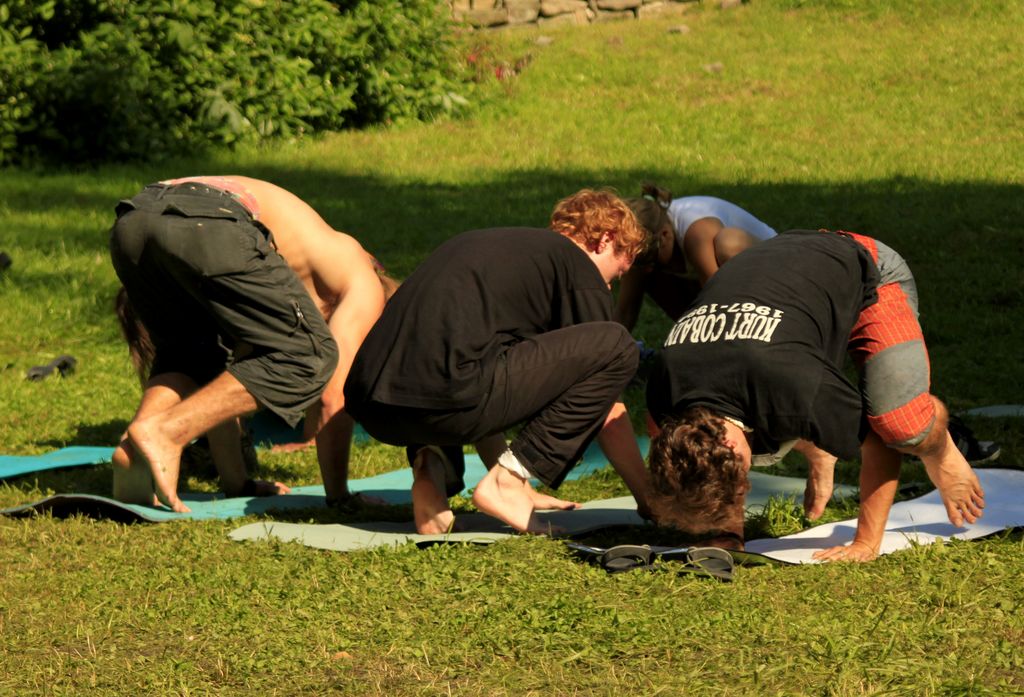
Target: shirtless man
249,294
499,327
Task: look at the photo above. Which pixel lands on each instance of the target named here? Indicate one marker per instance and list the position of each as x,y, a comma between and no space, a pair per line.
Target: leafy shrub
113,79
408,63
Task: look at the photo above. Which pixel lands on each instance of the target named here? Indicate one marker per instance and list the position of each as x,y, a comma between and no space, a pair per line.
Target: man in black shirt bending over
755,367
499,327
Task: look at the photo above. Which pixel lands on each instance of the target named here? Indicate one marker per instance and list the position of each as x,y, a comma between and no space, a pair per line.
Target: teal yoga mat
266,430
76,456
393,487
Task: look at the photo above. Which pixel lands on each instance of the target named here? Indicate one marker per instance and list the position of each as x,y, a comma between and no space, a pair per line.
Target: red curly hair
586,216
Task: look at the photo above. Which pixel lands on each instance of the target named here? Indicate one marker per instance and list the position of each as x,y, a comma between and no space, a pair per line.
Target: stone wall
503,13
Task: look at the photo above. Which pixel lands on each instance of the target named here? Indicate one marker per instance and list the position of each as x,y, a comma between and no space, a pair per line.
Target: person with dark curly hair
755,368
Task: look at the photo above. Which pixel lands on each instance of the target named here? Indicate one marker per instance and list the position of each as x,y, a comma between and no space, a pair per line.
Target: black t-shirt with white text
438,340
765,341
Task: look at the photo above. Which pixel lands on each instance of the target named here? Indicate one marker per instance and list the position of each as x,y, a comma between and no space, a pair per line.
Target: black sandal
712,562
64,364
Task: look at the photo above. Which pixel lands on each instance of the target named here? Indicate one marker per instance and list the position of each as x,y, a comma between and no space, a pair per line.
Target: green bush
111,79
18,61
408,64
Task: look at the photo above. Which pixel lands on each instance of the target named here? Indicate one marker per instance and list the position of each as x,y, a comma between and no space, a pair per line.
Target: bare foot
957,484
543,502
164,460
122,456
132,481
370,500
510,499
430,510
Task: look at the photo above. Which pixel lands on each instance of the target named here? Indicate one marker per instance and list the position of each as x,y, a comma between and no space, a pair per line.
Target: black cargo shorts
215,295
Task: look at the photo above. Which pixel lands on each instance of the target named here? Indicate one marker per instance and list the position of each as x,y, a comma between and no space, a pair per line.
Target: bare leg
333,446
133,482
430,509
821,470
226,450
950,473
160,438
730,241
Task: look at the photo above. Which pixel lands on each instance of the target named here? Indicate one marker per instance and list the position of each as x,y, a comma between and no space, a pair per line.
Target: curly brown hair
699,484
588,214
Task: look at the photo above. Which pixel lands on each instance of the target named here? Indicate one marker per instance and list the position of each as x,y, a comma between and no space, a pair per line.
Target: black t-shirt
440,336
765,340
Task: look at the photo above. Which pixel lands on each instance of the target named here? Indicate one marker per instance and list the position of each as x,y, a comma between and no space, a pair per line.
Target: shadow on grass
964,241
105,435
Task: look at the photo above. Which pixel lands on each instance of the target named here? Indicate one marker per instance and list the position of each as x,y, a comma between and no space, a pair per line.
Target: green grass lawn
904,124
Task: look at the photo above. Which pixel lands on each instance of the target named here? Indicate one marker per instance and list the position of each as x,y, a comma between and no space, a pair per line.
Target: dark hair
697,481
140,345
651,211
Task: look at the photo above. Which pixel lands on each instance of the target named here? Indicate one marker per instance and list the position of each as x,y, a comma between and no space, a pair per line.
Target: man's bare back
323,258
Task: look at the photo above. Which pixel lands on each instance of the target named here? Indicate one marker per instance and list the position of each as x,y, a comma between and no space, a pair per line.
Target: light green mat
482,529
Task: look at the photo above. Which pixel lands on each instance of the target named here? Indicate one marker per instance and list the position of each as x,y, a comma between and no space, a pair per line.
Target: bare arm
226,450
618,442
699,247
345,271
879,476
821,469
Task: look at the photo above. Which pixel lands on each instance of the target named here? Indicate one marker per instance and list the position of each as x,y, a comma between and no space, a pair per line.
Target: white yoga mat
918,521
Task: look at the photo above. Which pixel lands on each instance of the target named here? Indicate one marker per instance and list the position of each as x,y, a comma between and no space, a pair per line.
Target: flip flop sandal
626,558
65,365
709,561
712,562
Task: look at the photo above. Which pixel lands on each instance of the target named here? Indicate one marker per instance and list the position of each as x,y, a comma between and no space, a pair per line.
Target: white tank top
684,212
